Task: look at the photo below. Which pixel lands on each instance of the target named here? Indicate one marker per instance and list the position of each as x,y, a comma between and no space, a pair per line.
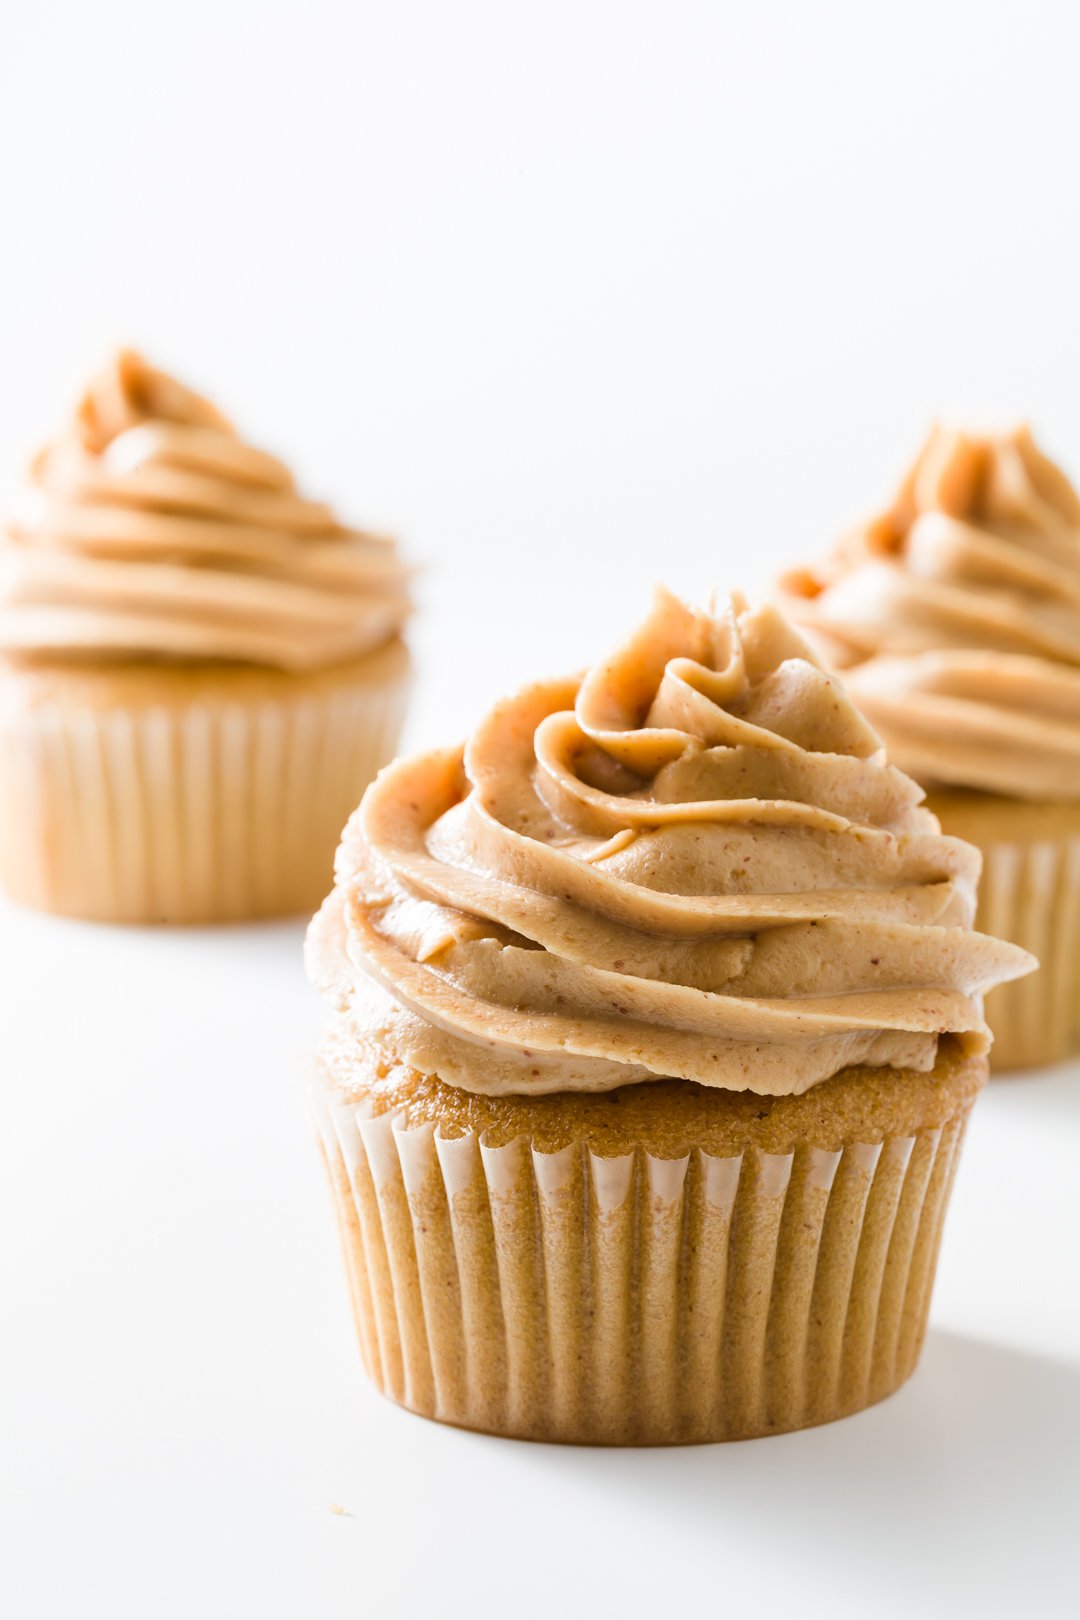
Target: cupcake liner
634,1300
197,810
1030,894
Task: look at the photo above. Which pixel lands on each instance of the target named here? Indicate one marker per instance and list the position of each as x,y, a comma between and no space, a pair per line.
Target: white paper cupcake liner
1030,894
196,811
634,1300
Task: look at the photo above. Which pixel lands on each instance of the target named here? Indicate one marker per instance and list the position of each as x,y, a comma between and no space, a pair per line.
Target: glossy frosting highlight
149,529
692,863
955,617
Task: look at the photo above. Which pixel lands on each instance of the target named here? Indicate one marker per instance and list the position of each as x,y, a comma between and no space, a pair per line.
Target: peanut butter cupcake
954,618
658,1020
200,669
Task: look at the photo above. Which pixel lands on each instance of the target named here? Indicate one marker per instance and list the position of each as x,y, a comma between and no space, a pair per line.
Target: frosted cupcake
200,669
954,618
657,1024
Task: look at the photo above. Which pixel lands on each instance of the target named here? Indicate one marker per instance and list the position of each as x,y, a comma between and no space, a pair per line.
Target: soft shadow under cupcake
930,1470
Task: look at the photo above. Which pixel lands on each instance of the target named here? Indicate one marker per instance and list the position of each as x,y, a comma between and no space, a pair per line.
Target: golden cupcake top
691,863
955,617
148,529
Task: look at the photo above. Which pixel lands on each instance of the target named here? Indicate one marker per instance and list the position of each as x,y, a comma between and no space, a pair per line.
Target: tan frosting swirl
955,617
691,863
149,529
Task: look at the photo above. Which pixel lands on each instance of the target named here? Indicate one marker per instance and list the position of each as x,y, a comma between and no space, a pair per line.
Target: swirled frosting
955,617
149,529
691,863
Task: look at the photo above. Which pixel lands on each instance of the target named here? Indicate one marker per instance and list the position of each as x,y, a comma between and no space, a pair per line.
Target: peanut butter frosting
692,863
955,617
149,529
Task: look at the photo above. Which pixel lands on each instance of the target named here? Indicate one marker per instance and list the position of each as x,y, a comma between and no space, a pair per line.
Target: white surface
572,296
184,1399
577,292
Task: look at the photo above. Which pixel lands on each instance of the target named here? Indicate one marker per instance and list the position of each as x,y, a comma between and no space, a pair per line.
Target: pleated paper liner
205,808
634,1300
1030,894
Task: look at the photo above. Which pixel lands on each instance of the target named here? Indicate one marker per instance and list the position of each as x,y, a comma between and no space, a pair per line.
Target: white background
572,297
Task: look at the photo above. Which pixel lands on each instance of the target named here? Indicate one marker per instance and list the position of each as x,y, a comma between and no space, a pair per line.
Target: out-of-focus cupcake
658,1023
200,669
954,618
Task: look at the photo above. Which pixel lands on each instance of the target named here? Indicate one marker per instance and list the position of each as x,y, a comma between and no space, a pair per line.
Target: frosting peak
1001,483
150,529
129,392
693,862
955,616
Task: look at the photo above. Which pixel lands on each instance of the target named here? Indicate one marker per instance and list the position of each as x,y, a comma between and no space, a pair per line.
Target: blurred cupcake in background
658,1020
200,668
954,617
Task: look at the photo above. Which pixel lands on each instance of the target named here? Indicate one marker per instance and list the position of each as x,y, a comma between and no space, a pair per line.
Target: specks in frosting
773,900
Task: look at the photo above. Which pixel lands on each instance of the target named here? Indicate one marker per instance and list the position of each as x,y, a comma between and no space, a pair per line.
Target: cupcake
657,1023
200,669
954,619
